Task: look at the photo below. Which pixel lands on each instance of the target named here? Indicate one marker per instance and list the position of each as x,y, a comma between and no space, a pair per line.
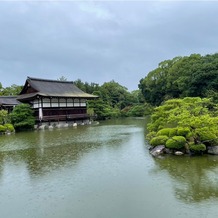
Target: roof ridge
49,80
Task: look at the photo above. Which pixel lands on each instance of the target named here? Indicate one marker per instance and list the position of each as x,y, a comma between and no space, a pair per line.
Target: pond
101,171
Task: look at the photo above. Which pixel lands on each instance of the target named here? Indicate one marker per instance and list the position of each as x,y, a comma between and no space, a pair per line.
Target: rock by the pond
178,153
59,125
168,151
41,127
66,125
212,150
158,150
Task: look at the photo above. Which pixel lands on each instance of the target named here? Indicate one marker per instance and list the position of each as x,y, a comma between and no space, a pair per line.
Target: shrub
136,111
9,127
206,135
164,131
197,147
150,135
173,132
2,128
183,131
159,140
22,117
190,136
176,142
4,117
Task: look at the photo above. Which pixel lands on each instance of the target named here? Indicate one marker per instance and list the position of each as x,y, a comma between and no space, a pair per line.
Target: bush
22,117
176,142
9,127
197,147
2,128
4,117
190,136
194,120
173,132
205,134
183,131
150,135
164,131
159,140
136,111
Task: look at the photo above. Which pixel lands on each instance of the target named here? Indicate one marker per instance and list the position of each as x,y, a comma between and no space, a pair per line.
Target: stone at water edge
66,125
212,150
41,127
178,153
157,150
168,151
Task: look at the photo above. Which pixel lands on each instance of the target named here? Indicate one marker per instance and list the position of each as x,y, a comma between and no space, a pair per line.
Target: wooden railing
64,117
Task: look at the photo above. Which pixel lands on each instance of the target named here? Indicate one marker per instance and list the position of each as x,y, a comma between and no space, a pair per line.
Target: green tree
189,76
114,99
139,110
11,90
213,95
4,117
193,118
1,88
115,94
22,117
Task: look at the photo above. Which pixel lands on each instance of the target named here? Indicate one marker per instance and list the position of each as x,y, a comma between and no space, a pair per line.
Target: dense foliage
4,117
189,123
192,76
22,117
10,91
114,100
5,125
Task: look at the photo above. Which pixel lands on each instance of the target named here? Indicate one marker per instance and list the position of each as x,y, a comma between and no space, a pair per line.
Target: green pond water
101,171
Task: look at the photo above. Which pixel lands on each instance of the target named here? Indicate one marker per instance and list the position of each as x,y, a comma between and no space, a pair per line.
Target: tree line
114,100
180,77
189,76
12,90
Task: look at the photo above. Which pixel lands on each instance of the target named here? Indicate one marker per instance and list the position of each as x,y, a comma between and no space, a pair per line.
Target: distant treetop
189,76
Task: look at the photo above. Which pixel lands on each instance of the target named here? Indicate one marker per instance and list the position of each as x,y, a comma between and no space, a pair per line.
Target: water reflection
195,179
1,164
46,151
100,171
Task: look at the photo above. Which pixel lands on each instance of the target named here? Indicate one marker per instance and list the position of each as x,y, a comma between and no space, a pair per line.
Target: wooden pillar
40,110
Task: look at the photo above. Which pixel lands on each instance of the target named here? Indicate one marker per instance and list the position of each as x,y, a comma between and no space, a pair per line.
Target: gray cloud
100,41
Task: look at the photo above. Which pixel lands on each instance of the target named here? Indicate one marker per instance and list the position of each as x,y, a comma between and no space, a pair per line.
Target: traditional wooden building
54,100
8,102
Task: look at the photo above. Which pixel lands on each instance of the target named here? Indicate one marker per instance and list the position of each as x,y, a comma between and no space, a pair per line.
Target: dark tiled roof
8,100
56,88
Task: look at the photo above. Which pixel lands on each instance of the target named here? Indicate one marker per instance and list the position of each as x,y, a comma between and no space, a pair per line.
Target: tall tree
192,76
11,90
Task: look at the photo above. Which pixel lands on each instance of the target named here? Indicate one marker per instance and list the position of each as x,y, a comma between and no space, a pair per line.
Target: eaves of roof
65,95
8,100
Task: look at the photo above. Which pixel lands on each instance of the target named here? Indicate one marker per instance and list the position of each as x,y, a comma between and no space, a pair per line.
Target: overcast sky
100,41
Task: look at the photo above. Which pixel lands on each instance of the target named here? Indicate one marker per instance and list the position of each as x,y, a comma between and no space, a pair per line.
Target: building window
54,102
